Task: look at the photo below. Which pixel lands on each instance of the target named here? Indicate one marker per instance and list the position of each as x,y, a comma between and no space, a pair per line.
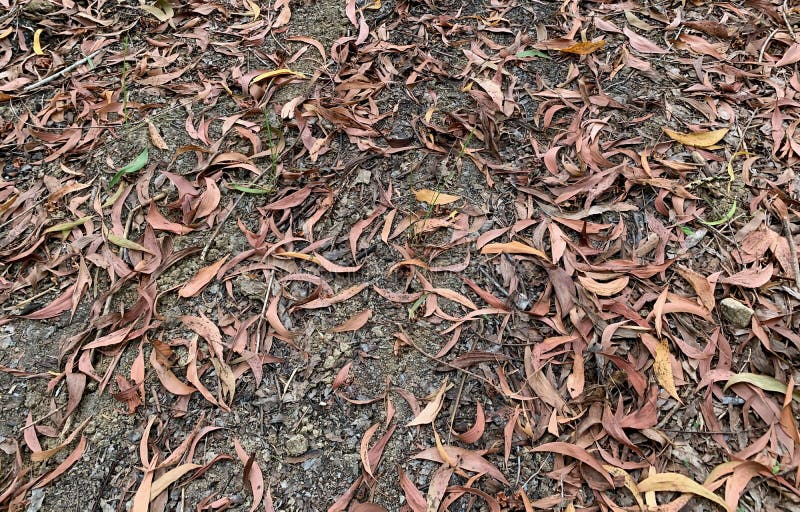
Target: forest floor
504,255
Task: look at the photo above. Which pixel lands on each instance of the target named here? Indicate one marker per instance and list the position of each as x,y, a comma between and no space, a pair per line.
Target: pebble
735,312
297,445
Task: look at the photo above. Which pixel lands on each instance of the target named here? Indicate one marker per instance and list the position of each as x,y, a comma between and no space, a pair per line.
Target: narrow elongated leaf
676,482
135,165
697,139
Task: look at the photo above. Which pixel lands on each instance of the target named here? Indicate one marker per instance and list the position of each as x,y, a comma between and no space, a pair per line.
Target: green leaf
250,190
124,242
761,381
532,53
728,216
67,226
135,165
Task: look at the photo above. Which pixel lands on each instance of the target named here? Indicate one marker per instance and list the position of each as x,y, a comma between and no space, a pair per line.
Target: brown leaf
414,498
676,482
512,248
604,289
339,297
697,139
200,280
435,198
253,476
584,47
429,413
476,431
642,44
663,370
155,136
355,322
576,452
67,463
749,278
469,460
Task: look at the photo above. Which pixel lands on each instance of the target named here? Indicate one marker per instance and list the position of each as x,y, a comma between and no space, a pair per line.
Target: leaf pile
577,222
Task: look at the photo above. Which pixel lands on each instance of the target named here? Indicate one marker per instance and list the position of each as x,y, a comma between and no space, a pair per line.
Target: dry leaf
512,248
200,280
697,139
434,197
584,47
663,370
676,482
429,413
606,289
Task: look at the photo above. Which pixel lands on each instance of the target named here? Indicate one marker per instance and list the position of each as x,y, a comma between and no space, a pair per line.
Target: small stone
735,312
297,445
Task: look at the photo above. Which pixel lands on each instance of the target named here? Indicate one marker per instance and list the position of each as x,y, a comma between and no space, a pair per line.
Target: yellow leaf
254,8
512,248
676,482
604,289
435,198
277,72
6,32
584,47
663,370
629,483
37,42
697,139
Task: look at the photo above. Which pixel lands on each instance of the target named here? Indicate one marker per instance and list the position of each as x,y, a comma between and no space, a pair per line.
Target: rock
297,445
735,312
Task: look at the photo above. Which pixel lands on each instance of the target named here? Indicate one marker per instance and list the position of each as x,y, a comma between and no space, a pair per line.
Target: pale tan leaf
428,414
697,139
676,482
434,197
663,370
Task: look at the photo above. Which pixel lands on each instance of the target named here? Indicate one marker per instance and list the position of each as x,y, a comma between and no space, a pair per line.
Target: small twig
764,46
452,366
792,251
263,310
786,19
45,81
36,422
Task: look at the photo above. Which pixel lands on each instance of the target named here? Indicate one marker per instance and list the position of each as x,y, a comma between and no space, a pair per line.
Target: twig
452,366
45,81
263,310
766,43
786,19
792,251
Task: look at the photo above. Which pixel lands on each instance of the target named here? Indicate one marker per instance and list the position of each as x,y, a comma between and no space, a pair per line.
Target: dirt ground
600,348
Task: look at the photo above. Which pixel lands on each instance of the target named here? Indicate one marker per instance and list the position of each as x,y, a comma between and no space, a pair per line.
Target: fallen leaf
200,280
697,139
584,47
663,370
355,322
512,248
434,197
429,413
676,482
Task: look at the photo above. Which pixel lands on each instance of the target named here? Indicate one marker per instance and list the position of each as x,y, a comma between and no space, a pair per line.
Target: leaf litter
274,232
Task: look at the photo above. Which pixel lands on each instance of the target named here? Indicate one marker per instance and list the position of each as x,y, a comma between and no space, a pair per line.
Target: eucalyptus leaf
135,165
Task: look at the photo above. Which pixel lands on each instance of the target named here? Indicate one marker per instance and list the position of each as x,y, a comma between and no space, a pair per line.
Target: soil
304,435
